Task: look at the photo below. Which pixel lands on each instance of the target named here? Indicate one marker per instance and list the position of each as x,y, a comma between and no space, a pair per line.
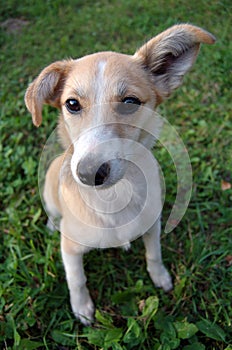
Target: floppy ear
169,55
46,88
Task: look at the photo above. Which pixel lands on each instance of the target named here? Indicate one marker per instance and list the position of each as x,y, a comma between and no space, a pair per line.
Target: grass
131,314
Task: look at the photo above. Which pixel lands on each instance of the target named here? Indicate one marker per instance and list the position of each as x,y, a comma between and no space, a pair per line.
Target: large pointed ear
46,88
169,55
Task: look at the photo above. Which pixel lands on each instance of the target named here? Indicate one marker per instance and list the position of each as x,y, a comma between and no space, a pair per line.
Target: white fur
100,82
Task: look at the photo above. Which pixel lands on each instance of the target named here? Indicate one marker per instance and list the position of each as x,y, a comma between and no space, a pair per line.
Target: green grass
131,314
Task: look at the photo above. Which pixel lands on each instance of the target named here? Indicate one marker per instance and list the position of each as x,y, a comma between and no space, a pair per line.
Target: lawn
131,314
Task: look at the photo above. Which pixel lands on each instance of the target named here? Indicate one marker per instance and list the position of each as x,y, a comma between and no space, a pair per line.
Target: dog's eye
73,106
129,105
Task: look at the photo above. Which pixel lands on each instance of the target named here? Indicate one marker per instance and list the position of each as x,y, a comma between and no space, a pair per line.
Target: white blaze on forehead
101,69
100,82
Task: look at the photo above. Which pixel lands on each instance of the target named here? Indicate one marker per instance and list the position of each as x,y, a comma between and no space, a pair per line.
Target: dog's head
106,97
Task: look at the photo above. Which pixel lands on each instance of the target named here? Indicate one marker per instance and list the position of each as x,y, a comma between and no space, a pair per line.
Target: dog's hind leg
81,302
51,194
155,267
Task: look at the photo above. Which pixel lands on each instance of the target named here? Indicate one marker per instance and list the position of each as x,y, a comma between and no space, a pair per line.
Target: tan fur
51,189
98,82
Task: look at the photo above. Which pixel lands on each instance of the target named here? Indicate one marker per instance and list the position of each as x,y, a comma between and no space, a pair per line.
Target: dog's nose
102,174
90,177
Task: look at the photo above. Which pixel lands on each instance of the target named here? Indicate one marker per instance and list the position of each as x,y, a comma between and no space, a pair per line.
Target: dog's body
106,101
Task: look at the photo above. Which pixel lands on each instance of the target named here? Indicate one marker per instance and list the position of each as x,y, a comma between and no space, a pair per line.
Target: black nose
90,178
102,174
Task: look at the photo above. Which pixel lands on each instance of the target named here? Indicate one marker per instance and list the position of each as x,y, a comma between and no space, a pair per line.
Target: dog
106,99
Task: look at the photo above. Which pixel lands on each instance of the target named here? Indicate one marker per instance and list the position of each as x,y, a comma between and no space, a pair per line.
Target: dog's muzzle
91,174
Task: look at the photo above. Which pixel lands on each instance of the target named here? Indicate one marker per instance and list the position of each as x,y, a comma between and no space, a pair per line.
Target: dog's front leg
155,267
72,255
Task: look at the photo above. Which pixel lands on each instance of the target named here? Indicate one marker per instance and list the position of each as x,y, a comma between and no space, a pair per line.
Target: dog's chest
113,216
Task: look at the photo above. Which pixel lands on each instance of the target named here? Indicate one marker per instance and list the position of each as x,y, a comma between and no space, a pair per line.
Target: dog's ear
169,55
46,88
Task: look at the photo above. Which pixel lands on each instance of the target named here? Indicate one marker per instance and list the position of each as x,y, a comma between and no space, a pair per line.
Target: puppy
99,186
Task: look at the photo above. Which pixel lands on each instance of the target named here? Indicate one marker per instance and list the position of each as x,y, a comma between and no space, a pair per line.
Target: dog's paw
163,280
160,276
53,224
84,311
50,225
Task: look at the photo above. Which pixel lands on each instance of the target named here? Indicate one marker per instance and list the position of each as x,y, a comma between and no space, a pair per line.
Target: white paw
160,276
50,225
53,224
83,309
